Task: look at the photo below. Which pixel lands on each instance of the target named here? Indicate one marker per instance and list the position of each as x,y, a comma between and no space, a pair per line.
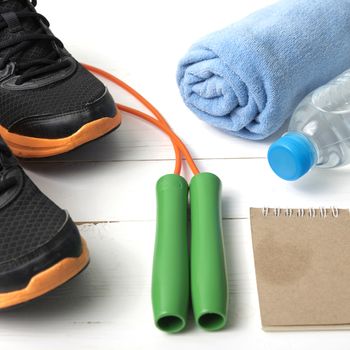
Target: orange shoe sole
33,147
47,280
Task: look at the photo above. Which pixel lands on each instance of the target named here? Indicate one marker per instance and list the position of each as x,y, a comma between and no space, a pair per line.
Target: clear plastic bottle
318,134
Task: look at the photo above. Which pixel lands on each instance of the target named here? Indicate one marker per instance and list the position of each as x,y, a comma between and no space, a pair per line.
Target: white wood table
109,188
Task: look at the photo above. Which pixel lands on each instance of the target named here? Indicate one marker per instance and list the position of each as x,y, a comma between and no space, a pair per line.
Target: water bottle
318,134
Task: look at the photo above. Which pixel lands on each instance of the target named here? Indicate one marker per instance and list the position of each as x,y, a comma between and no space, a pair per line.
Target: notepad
302,264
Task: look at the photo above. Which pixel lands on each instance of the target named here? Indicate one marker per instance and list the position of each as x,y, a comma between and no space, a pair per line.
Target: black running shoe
40,246
49,103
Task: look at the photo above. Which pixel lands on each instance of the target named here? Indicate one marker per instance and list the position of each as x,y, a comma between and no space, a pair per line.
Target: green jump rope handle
170,282
208,267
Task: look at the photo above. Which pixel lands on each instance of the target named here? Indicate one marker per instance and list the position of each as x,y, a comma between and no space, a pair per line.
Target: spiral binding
310,212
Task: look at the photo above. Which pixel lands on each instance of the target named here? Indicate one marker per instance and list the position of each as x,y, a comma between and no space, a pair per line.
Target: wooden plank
108,306
119,191
138,140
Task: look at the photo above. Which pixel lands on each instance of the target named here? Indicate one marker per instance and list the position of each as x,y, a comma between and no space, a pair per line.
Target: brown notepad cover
302,263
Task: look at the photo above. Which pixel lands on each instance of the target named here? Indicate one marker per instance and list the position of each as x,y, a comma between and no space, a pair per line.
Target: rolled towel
248,78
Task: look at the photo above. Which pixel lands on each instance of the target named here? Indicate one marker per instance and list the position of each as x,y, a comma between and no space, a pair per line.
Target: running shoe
40,246
49,103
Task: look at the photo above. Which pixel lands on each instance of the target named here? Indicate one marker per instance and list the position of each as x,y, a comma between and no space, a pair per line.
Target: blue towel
248,78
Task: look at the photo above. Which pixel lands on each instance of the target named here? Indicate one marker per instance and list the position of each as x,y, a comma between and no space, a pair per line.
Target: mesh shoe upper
28,220
68,95
71,90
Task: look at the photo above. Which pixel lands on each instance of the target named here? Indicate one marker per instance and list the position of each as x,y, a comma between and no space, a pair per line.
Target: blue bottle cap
292,156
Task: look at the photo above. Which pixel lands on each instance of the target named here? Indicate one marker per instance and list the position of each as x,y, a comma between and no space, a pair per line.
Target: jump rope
183,275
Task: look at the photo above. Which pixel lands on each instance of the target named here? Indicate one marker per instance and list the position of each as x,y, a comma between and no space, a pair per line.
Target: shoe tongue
38,49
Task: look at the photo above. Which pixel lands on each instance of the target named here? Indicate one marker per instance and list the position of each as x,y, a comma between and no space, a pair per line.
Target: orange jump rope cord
174,138
160,121
149,106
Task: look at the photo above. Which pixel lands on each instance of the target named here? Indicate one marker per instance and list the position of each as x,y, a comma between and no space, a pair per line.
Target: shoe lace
5,154
23,40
